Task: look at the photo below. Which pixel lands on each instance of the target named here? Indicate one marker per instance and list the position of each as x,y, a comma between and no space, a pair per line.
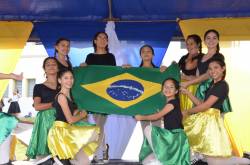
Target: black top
46,94
100,59
62,67
203,66
173,119
182,65
153,65
59,112
220,90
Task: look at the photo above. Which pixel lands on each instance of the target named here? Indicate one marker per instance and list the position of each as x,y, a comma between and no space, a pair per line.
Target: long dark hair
61,73
57,42
176,84
95,38
151,48
221,63
197,40
47,59
59,76
217,34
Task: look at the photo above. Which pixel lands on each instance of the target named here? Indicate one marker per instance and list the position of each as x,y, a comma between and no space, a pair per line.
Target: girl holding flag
168,145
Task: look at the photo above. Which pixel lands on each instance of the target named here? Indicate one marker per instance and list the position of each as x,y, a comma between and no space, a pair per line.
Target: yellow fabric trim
13,147
60,124
90,148
66,140
13,37
207,134
228,27
238,130
213,111
185,101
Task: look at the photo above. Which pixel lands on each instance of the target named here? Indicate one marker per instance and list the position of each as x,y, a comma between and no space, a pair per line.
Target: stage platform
111,162
118,162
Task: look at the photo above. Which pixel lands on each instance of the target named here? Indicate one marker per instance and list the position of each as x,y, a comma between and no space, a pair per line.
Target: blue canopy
150,21
97,10
94,11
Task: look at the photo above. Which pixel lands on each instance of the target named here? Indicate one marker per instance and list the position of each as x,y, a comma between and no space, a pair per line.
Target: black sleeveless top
182,65
62,67
173,119
59,112
203,66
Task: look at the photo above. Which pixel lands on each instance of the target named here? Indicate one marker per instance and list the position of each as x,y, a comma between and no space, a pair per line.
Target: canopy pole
105,20
110,17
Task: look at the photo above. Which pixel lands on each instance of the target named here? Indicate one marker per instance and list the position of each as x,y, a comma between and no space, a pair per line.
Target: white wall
30,64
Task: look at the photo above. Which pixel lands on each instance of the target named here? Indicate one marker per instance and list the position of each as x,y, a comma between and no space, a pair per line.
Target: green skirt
170,147
201,91
38,145
7,124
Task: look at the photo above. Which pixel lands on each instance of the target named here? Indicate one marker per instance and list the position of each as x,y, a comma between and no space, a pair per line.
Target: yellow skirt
207,134
66,140
185,102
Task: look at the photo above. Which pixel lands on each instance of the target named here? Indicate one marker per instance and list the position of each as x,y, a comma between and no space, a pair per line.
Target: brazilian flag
117,90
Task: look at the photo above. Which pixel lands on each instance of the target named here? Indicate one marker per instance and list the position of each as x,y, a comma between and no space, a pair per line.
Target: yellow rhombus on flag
100,89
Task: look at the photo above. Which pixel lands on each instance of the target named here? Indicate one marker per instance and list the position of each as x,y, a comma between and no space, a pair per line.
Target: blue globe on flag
125,90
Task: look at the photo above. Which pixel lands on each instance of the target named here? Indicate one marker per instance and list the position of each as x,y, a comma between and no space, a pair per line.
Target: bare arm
194,99
126,66
11,76
76,112
41,106
83,64
156,116
196,80
186,77
163,68
64,105
204,106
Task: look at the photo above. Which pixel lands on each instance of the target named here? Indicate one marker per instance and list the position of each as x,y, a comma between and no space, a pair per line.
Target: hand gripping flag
116,90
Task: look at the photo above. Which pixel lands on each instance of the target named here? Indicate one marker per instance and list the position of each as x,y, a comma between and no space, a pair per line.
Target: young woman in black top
188,63
168,145
68,139
147,54
62,48
188,67
204,126
101,56
43,97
